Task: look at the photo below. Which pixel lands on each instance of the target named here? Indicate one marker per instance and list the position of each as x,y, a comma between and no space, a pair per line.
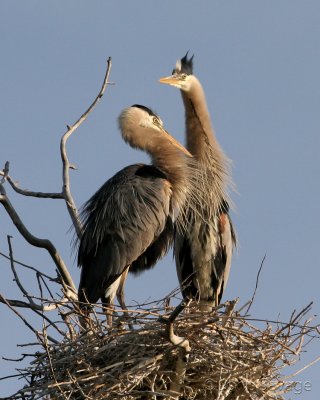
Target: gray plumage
122,219
203,253
128,222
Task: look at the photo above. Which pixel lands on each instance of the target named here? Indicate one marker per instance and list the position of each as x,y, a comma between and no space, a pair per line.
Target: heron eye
155,121
183,76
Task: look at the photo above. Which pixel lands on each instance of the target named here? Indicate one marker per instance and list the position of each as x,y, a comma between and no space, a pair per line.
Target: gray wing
156,251
121,221
203,256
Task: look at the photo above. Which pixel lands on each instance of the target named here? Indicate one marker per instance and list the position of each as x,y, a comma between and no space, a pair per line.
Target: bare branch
22,318
29,267
174,339
30,193
66,279
16,277
6,177
230,306
45,345
5,172
66,166
33,306
256,287
19,303
42,243
316,360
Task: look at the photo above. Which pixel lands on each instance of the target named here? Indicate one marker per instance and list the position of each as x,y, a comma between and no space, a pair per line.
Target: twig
23,319
2,378
5,172
228,312
16,277
297,317
45,343
29,267
25,192
19,303
256,287
180,307
302,369
33,306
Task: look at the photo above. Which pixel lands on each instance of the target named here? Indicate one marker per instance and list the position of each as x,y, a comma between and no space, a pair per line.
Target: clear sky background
259,63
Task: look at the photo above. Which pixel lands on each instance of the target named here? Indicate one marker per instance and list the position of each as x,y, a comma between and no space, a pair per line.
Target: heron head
181,75
140,127
138,116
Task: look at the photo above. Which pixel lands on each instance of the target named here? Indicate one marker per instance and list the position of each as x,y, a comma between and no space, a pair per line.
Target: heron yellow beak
177,144
169,80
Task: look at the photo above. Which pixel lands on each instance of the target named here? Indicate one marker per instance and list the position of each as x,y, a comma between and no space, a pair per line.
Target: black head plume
150,112
185,65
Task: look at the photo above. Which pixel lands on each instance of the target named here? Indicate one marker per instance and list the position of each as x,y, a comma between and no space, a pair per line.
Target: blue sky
259,63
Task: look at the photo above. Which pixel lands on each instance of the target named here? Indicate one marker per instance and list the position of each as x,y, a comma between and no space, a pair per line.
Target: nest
218,355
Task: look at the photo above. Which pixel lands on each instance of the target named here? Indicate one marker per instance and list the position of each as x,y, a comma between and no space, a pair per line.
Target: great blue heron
203,253
128,222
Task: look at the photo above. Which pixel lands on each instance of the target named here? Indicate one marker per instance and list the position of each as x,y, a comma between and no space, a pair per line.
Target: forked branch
65,194
66,166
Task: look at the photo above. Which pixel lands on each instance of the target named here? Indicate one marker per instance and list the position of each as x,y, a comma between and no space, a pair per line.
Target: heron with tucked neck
128,223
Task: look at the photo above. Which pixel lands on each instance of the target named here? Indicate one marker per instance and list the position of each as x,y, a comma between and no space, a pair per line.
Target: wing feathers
121,221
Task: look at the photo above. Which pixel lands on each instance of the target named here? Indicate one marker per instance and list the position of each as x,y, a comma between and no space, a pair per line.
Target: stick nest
219,355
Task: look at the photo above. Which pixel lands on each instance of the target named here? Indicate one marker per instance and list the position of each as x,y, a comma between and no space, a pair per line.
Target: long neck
199,131
201,140
176,165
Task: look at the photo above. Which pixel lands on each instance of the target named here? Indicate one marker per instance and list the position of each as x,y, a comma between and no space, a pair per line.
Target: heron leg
120,290
121,297
108,308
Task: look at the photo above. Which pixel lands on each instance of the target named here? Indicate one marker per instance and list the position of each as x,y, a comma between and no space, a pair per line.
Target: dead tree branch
66,278
256,287
182,352
65,161
37,242
31,268
19,303
65,194
26,192
16,277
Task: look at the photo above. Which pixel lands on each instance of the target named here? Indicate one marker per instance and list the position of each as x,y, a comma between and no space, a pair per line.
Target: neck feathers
199,131
201,139
175,164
